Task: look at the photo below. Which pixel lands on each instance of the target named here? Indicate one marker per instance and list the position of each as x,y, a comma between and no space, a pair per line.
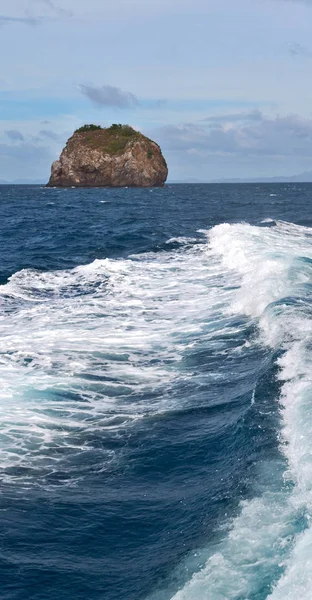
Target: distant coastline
22,182
304,177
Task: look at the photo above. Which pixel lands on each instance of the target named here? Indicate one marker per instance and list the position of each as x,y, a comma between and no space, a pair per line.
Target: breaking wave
266,552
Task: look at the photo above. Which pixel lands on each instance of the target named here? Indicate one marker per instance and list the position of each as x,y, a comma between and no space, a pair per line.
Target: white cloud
243,135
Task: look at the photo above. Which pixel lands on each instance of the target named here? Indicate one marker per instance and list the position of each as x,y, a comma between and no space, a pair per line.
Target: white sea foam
80,349
181,240
265,553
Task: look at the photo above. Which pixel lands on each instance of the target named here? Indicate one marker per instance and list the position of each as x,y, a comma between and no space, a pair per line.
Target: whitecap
269,545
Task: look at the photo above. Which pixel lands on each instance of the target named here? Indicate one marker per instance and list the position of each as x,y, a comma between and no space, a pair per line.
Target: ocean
156,406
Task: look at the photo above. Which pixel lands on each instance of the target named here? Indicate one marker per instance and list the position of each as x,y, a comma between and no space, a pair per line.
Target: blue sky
223,85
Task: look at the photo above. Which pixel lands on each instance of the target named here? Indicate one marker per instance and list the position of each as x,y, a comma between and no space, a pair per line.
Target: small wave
268,223
179,243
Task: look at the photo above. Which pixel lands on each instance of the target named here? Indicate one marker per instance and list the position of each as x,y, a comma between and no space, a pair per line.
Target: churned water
156,405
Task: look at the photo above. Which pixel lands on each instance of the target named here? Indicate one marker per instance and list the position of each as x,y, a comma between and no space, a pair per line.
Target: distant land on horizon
304,177
22,182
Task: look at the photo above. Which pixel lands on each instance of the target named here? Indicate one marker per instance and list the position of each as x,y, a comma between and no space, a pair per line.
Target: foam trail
80,350
268,550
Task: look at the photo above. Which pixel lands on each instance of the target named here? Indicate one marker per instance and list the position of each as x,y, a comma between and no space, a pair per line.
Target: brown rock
117,156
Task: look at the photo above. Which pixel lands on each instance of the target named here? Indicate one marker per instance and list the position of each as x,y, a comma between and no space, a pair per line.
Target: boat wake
267,551
87,353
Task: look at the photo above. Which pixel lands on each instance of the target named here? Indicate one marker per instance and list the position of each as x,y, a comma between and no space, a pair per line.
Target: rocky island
116,156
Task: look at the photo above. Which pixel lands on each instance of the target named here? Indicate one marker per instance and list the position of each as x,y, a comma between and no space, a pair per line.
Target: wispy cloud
50,135
27,20
108,95
253,115
31,16
14,135
296,49
62,12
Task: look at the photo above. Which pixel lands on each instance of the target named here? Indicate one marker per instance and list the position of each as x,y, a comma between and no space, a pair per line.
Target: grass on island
111,140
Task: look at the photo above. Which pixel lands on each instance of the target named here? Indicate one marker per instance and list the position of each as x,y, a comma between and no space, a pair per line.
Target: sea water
155,399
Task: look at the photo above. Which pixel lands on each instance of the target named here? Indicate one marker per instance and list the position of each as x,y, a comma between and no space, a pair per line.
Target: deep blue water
155,430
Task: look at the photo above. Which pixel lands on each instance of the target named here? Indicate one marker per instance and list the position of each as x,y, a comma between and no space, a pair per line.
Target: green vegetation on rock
124,130
89,127
111,140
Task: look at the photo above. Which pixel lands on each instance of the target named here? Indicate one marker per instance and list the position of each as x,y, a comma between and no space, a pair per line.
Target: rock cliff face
117,156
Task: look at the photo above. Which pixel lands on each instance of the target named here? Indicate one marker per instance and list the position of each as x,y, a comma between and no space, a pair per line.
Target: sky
224,86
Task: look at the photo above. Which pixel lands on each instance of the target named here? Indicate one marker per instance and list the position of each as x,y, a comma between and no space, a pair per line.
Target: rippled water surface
155,397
